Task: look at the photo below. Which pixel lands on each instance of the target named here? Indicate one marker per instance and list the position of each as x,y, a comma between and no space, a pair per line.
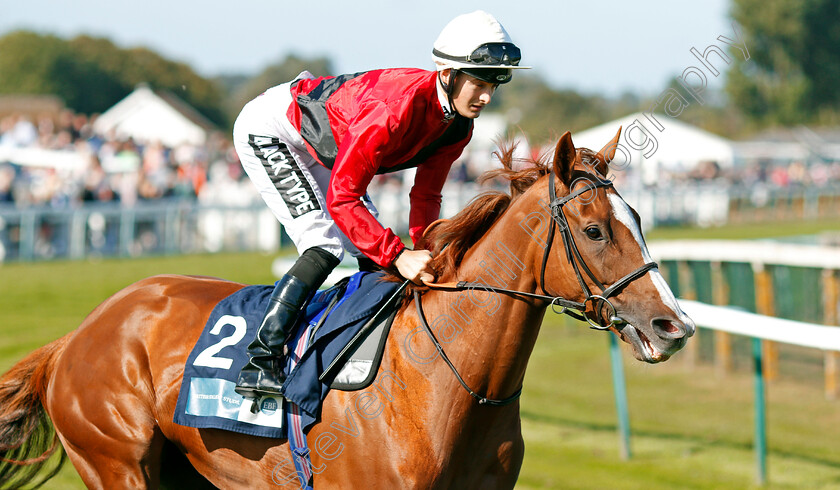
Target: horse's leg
100,400
113,446
503,471
176,471
500,468
108,469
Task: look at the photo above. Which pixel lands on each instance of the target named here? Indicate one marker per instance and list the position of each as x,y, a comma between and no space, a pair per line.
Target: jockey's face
470,95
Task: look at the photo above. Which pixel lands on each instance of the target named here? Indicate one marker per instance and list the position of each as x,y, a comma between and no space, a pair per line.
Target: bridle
558,303
573,255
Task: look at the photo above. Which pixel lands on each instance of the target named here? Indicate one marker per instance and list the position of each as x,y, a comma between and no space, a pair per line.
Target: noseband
558,303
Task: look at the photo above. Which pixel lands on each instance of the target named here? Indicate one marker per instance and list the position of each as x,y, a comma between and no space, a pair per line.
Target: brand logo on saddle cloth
285,174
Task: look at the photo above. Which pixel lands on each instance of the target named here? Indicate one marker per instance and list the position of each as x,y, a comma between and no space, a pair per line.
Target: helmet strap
449,88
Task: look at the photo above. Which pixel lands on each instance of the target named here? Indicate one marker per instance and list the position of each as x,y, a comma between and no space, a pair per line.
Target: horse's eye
594,233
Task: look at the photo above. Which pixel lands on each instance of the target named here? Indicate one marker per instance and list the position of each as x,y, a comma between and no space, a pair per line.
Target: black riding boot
263,375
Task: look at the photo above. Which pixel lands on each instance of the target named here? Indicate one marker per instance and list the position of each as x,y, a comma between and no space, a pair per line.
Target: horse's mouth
642,347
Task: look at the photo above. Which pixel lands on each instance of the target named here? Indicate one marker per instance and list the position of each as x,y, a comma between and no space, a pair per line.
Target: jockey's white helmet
477,44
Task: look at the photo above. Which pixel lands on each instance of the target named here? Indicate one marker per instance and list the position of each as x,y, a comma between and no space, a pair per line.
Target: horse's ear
564,158
607,153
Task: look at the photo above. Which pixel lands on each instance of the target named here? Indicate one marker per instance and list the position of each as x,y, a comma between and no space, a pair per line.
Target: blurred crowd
61,163
108,169
744,176
125,171
788,175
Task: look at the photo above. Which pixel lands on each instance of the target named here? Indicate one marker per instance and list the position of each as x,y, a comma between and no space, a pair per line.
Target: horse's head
599,252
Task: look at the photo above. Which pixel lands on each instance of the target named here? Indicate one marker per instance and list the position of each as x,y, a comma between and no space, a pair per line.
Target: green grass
40,302
692,429
746,231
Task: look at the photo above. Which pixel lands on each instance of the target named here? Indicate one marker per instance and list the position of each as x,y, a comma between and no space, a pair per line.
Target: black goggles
489,54
496,54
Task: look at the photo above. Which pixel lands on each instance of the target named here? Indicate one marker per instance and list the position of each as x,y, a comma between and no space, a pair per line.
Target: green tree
129,67
715,114
36,64
791,76
544,113
91,74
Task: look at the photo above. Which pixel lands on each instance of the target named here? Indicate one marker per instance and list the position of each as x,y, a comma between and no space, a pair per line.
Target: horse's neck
497,330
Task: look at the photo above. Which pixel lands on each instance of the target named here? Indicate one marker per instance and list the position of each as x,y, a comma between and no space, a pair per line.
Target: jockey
312,146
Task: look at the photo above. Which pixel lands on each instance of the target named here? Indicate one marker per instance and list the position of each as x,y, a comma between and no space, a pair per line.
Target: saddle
355,366
338,344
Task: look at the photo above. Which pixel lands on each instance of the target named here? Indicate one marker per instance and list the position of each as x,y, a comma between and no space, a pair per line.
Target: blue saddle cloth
207,398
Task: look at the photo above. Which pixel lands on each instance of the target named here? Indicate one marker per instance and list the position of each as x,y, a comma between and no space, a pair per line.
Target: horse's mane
450,239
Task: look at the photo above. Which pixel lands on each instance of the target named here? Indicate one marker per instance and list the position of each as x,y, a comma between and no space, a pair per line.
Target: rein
482,400
599,301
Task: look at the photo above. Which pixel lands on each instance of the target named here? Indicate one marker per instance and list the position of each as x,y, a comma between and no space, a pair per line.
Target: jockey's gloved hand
414,265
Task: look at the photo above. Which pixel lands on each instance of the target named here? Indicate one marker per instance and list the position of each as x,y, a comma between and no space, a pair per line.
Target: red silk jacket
376,122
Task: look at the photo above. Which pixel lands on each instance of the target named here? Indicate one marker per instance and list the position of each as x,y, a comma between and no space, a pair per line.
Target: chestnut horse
110,387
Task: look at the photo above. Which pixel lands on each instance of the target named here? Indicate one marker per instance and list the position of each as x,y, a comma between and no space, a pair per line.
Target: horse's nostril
668,328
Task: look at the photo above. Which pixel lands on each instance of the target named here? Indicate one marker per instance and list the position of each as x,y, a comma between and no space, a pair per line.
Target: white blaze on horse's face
622,213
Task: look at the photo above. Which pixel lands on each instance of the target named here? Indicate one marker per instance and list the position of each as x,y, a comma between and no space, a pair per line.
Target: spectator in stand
18,131
7,178
97,187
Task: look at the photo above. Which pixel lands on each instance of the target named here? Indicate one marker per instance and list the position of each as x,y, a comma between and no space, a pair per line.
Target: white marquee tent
147,115
679,147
